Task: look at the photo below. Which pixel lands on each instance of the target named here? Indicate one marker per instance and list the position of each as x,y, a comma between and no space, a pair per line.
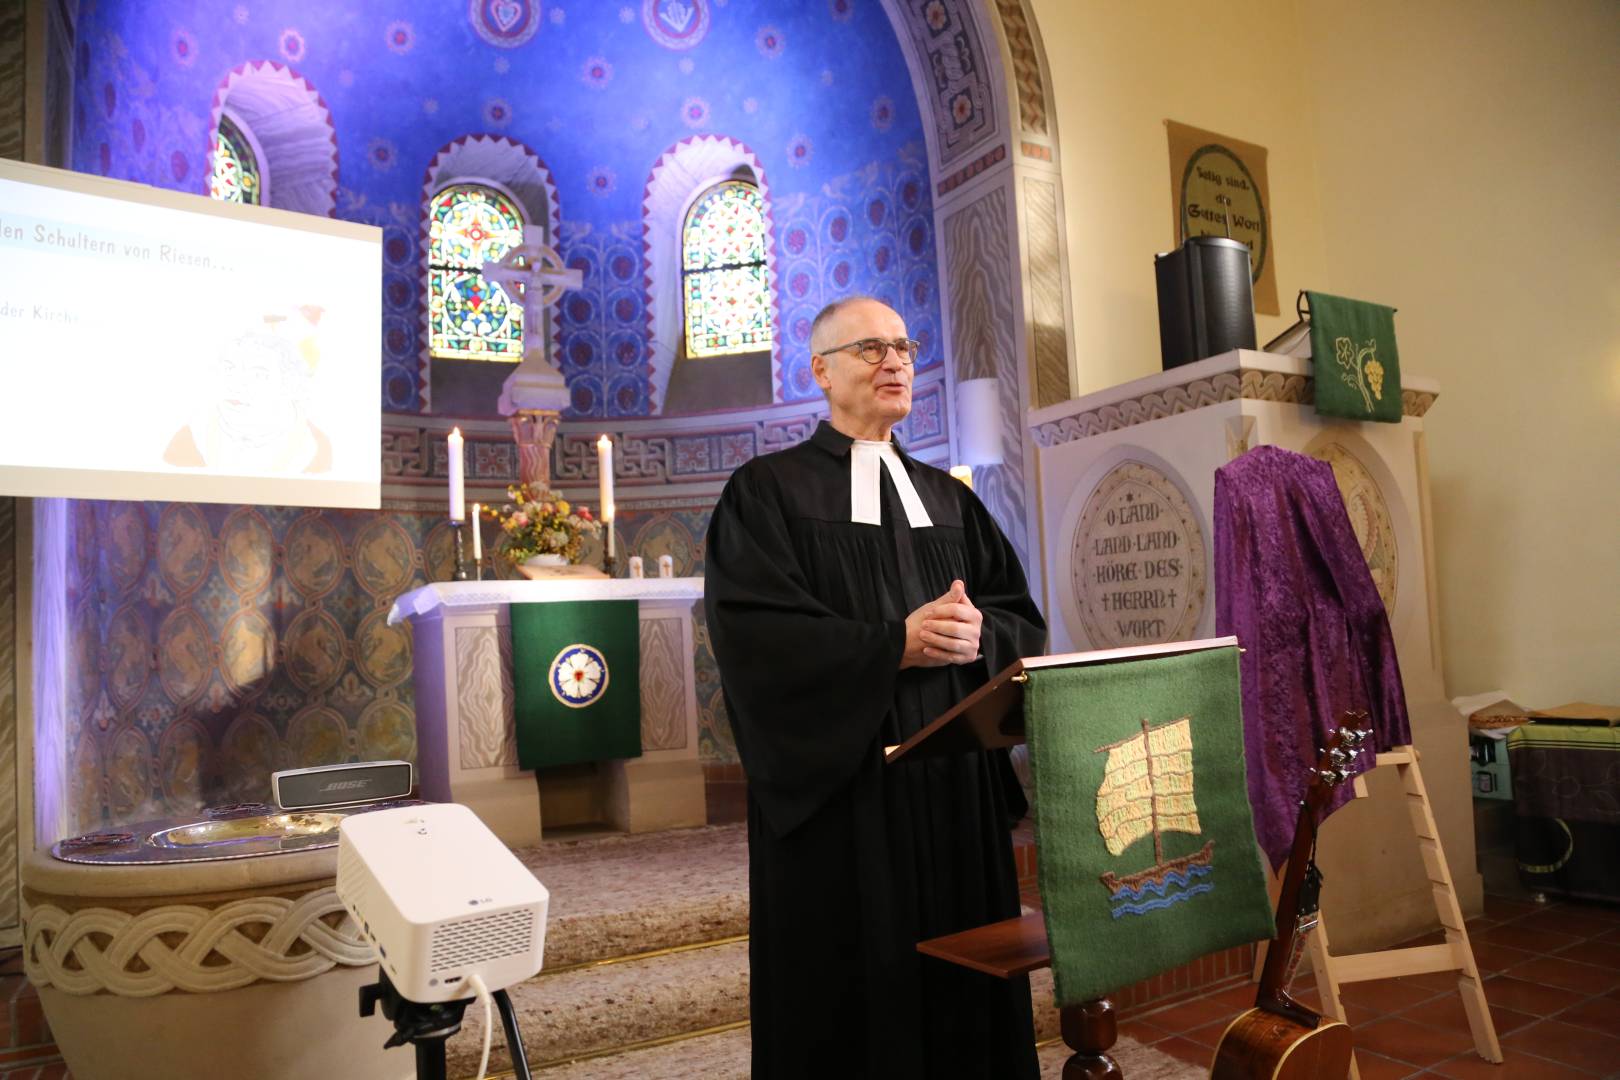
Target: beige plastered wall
1457,160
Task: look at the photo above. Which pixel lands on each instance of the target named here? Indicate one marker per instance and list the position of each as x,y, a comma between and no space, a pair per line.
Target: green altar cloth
1357,368
576,681
1146,850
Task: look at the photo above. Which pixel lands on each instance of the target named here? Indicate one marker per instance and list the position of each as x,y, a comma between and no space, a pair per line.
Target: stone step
618,895
605,1006
724,1055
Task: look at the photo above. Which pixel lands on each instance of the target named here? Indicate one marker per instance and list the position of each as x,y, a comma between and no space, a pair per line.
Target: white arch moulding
678,177
515,170
288,124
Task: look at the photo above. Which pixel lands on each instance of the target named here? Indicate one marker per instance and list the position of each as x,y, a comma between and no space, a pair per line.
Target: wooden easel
1456,954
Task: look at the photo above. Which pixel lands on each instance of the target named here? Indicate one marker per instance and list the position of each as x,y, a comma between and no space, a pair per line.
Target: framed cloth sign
1219,188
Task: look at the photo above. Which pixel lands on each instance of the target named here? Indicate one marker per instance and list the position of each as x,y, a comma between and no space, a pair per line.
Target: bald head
826,330
864,399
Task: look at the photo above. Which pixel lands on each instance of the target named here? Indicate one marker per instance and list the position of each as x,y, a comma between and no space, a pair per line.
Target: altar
467,739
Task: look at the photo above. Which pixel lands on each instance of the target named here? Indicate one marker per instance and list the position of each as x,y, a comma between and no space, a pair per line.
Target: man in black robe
854,594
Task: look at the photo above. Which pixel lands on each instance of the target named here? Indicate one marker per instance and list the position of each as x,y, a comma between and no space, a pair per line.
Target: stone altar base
466,739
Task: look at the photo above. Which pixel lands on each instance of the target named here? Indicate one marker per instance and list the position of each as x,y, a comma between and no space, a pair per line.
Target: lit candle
604,482
458,484
604,479
478,535
963,473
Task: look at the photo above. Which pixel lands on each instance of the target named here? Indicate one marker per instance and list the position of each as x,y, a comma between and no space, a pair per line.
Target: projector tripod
426,1027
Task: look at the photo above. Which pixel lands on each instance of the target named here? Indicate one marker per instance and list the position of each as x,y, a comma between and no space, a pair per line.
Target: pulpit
1127,480
466,738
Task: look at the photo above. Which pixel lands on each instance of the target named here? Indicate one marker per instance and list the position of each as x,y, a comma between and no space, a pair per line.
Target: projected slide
155,345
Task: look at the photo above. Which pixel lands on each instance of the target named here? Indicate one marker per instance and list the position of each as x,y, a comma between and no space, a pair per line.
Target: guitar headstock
1334,766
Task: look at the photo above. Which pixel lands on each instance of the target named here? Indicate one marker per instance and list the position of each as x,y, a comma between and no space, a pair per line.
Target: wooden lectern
992,718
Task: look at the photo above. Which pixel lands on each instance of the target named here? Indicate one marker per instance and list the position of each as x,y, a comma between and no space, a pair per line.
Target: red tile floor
1553,981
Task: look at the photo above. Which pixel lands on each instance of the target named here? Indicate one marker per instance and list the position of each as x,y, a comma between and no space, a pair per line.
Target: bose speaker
341,785
1206,300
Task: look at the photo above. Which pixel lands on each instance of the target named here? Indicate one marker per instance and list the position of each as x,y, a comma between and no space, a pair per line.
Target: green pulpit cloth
1357,367
1146,849
576,681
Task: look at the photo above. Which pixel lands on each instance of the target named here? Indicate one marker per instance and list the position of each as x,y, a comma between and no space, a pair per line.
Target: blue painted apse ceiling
818,90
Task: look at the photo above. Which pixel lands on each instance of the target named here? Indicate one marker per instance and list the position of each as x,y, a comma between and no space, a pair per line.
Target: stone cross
534,395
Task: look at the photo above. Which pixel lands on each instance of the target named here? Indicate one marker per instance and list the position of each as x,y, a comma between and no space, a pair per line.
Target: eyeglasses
875,350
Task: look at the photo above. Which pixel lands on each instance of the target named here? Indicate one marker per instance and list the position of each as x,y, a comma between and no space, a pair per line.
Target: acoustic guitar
1280,1039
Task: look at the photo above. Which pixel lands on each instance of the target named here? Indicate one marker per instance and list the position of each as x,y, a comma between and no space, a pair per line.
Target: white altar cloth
462,595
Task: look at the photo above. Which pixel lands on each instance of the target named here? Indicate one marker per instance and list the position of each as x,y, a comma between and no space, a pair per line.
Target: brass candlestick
460,556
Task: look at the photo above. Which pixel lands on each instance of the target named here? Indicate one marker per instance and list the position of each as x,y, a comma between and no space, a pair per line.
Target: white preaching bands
866,485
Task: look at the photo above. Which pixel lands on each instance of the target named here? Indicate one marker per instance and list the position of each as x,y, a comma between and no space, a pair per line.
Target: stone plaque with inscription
1137,563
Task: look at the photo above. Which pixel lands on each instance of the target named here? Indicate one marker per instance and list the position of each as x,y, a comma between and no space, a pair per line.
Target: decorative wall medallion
1136,563
317,736
387,732
314,556
505,23
89,795
382,558
252,752
314,650
676,24
579,676
183,547
125,543
129,656
185,657
182,761
247,648
86,538
1369,517
129,779
382,652
246,552
665,535
438,553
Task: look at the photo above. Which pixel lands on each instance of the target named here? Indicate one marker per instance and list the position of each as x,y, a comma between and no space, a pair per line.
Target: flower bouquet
545,534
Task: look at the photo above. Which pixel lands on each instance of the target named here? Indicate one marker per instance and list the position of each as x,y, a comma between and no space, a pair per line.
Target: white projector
442,900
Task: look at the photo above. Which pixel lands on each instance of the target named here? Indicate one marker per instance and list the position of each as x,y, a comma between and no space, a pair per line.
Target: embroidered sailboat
1147,789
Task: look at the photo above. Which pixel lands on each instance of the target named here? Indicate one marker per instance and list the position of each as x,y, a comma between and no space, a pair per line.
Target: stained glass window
235,173
468,316
728,297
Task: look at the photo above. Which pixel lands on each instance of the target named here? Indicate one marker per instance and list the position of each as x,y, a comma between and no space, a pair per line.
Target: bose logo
344,785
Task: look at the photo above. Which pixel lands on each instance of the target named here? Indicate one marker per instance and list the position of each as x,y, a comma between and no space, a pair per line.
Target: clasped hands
943,631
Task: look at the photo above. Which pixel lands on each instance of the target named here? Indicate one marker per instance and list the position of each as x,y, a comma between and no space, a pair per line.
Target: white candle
666,566
458,484
604,479
610,538
963,473
635,567
478,534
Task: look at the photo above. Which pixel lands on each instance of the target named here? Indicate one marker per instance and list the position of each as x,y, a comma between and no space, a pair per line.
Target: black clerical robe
851,862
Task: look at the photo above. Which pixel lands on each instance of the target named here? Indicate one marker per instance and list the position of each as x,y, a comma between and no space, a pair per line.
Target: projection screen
156,345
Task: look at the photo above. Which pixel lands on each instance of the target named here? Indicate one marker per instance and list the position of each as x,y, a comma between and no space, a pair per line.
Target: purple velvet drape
1292,585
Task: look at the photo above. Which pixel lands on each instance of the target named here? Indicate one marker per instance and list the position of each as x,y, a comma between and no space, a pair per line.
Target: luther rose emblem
579,676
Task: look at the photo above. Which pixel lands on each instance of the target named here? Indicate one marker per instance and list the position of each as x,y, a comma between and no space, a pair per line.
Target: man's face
866,397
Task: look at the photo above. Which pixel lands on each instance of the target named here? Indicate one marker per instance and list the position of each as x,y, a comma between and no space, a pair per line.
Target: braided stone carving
181,947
